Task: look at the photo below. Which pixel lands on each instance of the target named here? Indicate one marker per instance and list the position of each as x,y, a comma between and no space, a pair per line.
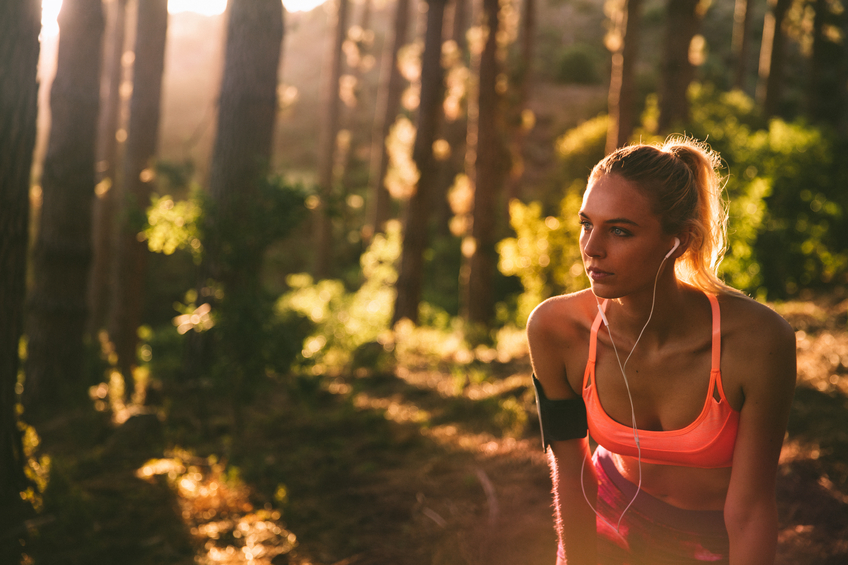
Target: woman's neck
667,310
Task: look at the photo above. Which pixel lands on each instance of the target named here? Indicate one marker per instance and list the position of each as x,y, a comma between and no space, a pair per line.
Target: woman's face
621,240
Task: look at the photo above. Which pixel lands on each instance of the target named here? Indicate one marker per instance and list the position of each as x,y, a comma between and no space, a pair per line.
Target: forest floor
423,465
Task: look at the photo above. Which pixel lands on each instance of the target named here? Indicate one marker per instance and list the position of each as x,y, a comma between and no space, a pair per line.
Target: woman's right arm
575,520
550,338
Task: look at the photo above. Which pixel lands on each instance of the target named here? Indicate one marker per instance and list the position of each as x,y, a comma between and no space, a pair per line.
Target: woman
686,383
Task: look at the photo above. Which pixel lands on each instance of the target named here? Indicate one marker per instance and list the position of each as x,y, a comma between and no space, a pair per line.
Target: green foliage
36,466
580,64
173,225
544,254
580,148
244,227
787,210
246,338
346,321
440,288
250,338
787,213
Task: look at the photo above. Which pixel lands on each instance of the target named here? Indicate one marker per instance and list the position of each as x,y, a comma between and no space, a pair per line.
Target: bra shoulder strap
715,363
593,337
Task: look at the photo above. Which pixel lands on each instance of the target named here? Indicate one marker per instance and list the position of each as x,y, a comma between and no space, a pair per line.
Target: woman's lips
597,274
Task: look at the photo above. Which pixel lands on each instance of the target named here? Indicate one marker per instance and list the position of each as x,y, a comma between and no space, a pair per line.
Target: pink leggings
652,531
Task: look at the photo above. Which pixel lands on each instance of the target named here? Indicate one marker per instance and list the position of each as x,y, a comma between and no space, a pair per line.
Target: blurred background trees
61,258
137,185
19,48
270,198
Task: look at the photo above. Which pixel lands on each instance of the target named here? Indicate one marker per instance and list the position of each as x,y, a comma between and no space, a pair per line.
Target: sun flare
50,10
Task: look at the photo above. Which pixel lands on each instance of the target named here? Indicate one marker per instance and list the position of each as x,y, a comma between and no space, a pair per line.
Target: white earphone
627,385
676,245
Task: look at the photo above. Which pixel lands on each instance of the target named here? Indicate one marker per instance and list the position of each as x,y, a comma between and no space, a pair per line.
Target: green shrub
580,148
544,254
345,321
580,64
246,339
787,206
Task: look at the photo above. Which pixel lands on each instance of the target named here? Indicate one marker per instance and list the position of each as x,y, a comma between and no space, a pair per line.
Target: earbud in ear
676,245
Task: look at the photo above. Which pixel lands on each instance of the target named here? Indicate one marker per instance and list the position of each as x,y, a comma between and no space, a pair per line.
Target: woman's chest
664,390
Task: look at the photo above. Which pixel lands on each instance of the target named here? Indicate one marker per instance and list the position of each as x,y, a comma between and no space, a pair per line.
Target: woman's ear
673,248
684,240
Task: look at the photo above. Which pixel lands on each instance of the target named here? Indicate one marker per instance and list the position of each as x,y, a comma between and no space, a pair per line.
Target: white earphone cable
629,396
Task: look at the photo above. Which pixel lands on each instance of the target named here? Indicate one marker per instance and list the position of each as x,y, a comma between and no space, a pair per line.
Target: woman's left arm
766,369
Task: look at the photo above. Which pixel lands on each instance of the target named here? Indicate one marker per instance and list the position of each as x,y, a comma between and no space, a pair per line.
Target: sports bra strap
715,359
593,337
715,362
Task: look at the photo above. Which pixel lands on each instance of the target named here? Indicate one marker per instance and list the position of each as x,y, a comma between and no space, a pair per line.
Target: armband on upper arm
560,420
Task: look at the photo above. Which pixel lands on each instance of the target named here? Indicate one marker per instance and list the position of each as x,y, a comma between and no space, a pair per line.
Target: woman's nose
592,246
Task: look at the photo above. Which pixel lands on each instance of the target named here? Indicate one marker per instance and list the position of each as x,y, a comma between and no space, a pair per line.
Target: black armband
560,420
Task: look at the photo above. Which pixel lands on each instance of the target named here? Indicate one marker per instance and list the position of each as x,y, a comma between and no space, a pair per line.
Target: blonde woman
684,383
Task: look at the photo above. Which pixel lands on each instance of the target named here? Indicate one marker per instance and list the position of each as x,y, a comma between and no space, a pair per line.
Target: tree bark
326,153
57,306
491,166
240,162
825,91
418,209
522,84
246,114
103,220
459,25
20,23
683,21
741,43
622,92
388,104
772,58
137,184
456,125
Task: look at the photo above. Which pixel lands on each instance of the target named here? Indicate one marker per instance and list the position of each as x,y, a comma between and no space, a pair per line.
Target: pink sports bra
707,442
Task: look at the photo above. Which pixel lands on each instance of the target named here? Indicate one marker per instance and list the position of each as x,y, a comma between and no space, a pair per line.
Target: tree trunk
417,213
388,103
99,288
683,21
772,58
57,305
622,92
491,167
456,122
522,84
240,162
459,25
20,23
246,114
826,92
326,153
137,184
741,45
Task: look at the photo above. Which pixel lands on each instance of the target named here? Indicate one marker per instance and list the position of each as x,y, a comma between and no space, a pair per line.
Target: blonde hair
680,176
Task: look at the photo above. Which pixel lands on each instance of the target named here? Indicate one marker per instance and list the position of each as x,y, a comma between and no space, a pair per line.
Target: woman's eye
585,226
619,231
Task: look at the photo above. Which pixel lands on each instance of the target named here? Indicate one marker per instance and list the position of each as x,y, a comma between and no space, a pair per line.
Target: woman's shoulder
558,336
563,315
758,345
744,316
